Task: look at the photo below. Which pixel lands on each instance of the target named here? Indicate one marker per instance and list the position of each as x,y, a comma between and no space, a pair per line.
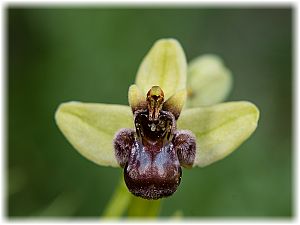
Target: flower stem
143,208
119,201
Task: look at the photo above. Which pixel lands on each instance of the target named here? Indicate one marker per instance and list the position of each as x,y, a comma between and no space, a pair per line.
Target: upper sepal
165,66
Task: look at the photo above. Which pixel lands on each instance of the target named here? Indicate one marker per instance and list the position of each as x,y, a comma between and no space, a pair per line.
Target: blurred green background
92,55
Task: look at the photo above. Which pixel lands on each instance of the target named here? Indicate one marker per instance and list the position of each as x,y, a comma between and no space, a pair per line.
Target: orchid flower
174,119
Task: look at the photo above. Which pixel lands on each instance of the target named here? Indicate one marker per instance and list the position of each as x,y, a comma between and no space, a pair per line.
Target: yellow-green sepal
91,128
219,129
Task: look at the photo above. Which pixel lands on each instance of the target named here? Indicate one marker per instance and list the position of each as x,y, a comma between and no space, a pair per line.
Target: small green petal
175,103
209,81
136,98
164,66
90,128
219,129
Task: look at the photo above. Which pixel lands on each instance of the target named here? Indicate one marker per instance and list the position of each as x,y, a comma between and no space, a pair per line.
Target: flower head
156,136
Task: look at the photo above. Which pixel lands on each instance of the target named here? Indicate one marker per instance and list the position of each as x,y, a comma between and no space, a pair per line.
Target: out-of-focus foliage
92,55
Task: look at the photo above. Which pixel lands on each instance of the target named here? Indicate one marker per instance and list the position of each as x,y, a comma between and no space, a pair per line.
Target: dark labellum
153,153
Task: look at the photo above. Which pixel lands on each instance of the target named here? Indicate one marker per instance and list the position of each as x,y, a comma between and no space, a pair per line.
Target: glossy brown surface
153,154
152,174
153,169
